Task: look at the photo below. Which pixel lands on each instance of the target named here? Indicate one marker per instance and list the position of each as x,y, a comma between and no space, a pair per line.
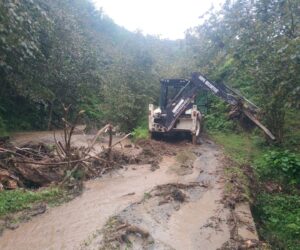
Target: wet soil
178,209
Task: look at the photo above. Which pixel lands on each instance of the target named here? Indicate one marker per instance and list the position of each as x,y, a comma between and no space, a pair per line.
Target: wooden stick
106,161
73,126
27,150
62,148
252,118
58,149
96,137
109,143
12,152
53,163
119,141
69,174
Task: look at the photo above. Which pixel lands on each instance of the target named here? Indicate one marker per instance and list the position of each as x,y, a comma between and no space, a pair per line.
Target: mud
186,214
174,210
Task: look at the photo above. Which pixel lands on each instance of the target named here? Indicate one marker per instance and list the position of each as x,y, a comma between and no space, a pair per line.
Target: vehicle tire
154,136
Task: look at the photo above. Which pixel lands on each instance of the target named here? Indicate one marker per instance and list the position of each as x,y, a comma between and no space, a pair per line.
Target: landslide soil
176,201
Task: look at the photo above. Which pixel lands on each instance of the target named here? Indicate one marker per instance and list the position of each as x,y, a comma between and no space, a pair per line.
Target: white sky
166,18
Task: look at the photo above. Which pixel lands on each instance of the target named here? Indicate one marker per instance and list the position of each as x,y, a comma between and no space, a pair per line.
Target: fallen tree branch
122,139
69,174
2,150
53,163
96,137
58,149
106,161
28,151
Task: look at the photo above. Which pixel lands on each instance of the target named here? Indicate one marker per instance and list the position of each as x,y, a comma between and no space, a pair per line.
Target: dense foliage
280,216
275,188
283,166
254,46
55,52
65,51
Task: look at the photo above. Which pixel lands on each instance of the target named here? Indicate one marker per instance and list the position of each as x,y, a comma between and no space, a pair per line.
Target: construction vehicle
177,111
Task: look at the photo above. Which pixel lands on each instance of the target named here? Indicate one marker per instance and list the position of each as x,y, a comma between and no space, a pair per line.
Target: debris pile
34,165
117,233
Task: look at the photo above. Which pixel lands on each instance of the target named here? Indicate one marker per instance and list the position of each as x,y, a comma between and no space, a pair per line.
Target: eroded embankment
177,205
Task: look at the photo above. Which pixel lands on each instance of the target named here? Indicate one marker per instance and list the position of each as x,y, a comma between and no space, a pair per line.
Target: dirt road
178,205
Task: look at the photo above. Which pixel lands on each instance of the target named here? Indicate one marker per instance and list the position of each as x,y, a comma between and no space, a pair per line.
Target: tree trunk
50,115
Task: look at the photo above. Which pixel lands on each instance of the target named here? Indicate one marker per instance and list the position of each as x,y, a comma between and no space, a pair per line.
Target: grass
242,148
147,196
20,199
238,183
277,214
140,132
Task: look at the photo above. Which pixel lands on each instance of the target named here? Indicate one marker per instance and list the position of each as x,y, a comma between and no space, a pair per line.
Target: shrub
218,122
217,119
140,133
281,165
279,216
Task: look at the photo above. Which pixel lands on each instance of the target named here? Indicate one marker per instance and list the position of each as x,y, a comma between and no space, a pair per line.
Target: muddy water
79,139
192,226
70,225
65,227
199,223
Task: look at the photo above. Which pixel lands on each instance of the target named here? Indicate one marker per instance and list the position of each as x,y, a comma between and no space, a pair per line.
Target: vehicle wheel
151,135
154,136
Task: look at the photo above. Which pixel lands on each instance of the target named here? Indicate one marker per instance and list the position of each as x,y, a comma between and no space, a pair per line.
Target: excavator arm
192,86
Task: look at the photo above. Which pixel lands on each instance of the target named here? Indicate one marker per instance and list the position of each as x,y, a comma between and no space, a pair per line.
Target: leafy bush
140,133
218,122
279,216
281,165
216,118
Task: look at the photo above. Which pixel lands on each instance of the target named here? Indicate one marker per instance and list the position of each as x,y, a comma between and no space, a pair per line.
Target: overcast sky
167,18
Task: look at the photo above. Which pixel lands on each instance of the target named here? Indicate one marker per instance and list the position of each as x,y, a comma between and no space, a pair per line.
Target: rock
178,195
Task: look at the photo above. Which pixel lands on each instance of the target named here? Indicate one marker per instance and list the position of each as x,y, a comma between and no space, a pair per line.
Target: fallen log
31,175
259,124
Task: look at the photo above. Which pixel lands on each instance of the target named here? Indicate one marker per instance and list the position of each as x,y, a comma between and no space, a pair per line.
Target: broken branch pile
34,165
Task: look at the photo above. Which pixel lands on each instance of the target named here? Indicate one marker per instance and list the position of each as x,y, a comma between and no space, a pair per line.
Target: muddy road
176,206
